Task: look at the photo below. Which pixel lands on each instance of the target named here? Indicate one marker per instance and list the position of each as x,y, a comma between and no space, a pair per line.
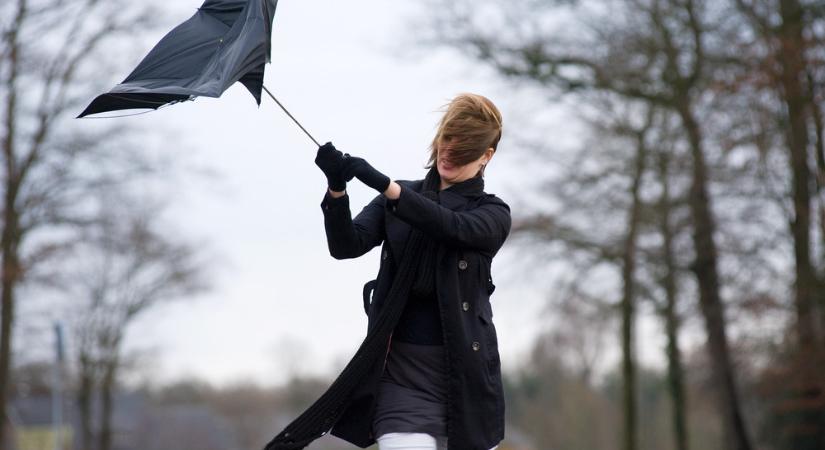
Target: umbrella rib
291,117
118,116
138,100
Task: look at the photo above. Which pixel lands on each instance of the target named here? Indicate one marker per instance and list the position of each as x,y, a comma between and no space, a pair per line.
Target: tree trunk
806,402
10,235
107,390
10,270
675,371
631,435
791,59
706,270
84,400
817,116
815,93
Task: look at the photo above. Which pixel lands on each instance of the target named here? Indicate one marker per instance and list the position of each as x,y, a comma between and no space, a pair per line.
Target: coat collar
459,194
472,187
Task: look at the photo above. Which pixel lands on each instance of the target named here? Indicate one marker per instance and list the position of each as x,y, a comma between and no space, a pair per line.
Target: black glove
354,166
330,160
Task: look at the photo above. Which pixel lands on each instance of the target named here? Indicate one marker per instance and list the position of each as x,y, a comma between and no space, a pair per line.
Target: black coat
470,228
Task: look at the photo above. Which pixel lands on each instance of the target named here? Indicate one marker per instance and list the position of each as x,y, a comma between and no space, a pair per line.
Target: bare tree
617,185
49,54
655,52
786,33
669,280
629,264
125,267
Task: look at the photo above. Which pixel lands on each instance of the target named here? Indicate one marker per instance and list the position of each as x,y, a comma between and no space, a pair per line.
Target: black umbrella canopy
224,42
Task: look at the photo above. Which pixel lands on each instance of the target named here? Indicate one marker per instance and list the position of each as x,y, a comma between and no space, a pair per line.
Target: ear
488,155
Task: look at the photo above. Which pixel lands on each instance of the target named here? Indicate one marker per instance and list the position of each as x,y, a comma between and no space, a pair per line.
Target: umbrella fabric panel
180,56
207,53
225,10
224,42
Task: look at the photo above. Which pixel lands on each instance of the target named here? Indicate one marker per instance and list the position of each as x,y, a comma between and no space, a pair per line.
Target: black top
420,323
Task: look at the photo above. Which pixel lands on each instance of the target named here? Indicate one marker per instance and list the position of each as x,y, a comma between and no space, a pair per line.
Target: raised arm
485,227
348,237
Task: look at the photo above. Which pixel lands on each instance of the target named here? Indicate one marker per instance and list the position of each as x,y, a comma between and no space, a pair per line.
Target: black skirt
412,393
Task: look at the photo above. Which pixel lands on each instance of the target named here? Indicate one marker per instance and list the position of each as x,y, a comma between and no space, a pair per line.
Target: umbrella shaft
291,117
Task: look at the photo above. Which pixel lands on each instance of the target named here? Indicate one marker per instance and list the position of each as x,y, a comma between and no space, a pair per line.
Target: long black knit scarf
319,418
423,285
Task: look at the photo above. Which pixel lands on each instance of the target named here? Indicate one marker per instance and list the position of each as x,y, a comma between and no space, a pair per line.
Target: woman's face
452,174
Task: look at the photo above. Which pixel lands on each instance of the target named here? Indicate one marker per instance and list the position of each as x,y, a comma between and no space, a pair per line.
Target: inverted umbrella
224,42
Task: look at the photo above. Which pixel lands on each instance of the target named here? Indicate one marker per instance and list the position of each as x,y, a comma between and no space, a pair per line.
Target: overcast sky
280,303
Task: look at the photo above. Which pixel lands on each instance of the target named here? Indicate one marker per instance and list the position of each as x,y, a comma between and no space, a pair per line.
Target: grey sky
280,300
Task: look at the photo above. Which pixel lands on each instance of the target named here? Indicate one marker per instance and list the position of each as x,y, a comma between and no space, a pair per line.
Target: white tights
412,441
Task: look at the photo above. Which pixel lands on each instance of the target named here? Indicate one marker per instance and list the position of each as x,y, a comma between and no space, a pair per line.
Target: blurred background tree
739,124
55,172
125,266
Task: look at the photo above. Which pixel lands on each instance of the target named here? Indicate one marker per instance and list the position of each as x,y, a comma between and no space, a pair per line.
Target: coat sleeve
348,237
484,228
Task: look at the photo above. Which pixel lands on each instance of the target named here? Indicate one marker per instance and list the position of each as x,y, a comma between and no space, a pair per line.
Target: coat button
384,254
462,264
465,306
476,346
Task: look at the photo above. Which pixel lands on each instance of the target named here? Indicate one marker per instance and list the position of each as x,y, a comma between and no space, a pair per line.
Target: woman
440,380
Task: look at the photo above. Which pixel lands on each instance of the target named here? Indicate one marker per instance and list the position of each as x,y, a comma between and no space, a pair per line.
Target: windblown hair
472,124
